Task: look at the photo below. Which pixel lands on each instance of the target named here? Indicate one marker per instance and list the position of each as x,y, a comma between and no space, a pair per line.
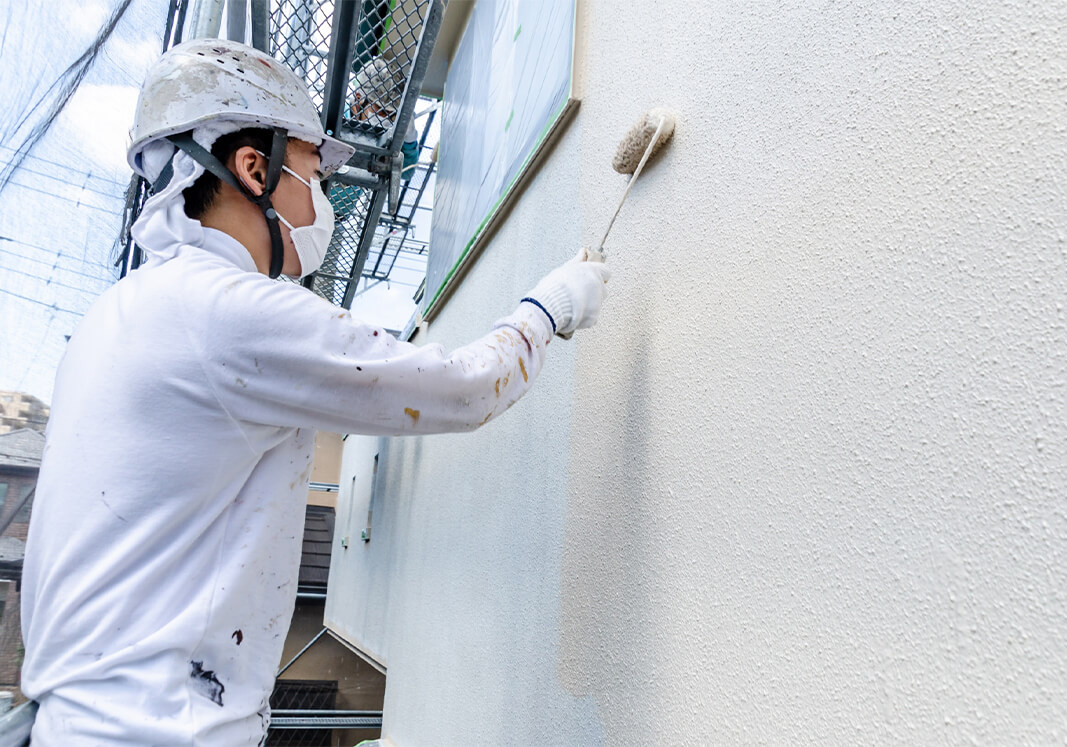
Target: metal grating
328,44
131,255
300,37
301,696
351,210
387,41
392,236
303,715
297,719
365,79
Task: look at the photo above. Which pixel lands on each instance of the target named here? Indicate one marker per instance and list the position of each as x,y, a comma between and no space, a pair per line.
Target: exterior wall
12,547
326,467
20,410
804,482
11,641
18,481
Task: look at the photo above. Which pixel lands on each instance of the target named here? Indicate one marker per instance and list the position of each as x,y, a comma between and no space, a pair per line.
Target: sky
60,215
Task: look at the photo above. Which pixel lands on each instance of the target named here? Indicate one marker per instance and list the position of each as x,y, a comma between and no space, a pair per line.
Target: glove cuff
539,305
556,302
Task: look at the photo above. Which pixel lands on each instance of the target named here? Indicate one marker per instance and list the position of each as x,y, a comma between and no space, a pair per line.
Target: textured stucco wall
458,590
807,481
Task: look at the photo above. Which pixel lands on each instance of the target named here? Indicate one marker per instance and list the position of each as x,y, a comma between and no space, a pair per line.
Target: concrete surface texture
806,480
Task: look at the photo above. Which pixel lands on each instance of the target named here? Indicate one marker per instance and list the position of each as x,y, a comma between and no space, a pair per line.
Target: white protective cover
163,552
205,80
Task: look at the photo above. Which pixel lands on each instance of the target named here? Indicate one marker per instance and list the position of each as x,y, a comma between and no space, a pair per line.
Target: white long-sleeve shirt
161,566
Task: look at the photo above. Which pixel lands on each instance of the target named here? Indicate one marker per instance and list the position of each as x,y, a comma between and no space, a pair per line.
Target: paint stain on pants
206,683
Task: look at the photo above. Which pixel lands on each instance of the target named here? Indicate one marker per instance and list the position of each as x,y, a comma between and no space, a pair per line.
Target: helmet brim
334,154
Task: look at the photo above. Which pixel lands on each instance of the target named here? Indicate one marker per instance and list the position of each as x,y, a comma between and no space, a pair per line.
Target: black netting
383,51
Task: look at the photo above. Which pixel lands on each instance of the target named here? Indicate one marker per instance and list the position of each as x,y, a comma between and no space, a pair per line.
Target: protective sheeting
60,209
31,125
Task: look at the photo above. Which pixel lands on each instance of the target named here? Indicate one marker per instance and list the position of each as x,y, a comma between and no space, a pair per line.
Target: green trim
386,26
507,193
521,172
508,123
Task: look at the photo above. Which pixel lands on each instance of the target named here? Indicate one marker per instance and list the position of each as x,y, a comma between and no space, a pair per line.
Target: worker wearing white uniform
161,565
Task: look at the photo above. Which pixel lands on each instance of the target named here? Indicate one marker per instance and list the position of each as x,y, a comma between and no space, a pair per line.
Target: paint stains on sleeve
414,414
238,636
205,682
498,387
522,367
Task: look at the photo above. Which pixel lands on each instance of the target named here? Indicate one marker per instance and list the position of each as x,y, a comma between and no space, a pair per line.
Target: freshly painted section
805,481
476,523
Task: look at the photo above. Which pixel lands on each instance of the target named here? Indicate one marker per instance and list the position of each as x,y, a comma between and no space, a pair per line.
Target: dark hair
200,196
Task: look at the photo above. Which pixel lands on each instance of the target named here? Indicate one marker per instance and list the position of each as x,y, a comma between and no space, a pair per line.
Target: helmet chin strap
274,172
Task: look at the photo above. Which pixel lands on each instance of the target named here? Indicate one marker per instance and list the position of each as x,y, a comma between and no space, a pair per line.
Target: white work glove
573,293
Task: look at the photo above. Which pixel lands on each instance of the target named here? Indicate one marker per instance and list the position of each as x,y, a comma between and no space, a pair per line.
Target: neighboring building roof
318,542
21,448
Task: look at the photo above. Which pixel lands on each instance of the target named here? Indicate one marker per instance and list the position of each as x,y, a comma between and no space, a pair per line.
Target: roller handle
599,251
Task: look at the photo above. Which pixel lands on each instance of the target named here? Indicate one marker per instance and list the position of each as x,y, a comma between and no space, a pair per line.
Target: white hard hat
216,80
377,81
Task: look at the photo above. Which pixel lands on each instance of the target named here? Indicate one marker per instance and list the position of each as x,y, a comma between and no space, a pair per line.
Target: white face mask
311,242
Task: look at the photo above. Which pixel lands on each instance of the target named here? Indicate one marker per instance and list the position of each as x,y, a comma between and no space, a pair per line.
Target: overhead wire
53,281
37,351
62,197
53,250
84,187
56,97
66,265
65,166
56,266
41,303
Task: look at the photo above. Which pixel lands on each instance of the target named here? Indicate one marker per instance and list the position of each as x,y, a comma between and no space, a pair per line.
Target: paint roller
642,141
648,135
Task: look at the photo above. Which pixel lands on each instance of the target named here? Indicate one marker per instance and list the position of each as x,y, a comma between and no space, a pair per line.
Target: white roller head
637,140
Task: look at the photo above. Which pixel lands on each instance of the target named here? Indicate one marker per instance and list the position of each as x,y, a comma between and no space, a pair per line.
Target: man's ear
250,168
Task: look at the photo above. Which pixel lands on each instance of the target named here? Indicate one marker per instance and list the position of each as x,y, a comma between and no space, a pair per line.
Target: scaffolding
327,44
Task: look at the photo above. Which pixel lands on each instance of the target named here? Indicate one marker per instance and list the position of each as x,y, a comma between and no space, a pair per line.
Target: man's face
292,199
369,110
